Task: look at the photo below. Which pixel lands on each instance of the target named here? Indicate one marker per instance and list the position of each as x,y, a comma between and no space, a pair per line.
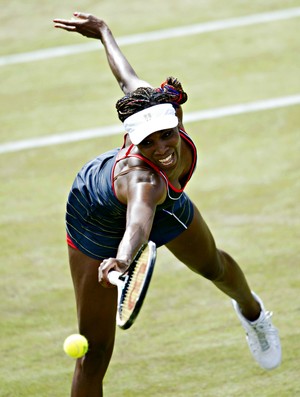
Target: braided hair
142,98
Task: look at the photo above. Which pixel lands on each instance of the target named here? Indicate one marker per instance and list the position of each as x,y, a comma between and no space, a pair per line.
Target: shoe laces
264,331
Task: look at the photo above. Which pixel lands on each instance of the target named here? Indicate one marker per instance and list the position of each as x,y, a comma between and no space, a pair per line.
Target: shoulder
137,180
145,185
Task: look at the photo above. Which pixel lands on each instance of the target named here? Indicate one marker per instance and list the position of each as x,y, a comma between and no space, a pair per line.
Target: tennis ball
76,345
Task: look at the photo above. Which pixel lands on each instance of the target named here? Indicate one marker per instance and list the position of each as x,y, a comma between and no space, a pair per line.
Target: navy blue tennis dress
96,219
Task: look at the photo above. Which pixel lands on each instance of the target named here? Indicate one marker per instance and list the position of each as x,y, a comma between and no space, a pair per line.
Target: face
162,148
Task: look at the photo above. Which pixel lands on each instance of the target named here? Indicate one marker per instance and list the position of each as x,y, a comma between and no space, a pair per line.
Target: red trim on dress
70,242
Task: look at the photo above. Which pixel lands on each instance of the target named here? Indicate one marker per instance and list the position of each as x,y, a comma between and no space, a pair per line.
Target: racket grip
113,277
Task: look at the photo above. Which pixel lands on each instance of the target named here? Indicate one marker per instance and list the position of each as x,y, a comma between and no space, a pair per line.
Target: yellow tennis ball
76,346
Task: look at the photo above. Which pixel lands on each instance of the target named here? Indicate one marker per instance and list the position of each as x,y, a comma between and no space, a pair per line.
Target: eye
146,142
167,134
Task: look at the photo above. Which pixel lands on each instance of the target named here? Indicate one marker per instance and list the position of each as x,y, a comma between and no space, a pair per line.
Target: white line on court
73,136
153,36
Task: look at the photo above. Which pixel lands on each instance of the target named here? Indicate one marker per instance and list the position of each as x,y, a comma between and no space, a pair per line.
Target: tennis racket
133,285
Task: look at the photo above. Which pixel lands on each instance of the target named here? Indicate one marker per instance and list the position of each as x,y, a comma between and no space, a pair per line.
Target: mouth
167,160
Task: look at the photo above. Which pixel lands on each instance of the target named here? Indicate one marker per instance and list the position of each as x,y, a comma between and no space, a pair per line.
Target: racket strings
134,285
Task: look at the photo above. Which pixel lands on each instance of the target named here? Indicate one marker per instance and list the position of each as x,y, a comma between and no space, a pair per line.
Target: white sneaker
262,337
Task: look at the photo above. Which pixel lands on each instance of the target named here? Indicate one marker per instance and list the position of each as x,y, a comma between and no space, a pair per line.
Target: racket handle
113,277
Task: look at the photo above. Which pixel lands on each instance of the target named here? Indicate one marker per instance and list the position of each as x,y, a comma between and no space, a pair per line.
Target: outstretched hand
95,28
85,24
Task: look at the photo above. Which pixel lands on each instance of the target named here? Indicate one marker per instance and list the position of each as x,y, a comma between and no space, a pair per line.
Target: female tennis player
133,194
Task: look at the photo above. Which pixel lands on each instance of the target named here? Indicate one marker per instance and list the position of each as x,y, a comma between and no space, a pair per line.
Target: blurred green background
187,340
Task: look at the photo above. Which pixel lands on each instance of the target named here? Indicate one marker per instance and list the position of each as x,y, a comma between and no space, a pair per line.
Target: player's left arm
93,27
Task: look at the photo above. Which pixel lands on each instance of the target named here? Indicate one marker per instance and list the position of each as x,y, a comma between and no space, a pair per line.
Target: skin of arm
142,192
95,28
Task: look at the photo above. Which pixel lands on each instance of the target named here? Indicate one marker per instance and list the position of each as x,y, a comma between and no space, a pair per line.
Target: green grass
187,341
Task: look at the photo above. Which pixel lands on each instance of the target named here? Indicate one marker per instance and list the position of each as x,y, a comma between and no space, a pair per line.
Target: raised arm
96,28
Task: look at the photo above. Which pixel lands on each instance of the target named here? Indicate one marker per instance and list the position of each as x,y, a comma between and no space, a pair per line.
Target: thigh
96,305
195,247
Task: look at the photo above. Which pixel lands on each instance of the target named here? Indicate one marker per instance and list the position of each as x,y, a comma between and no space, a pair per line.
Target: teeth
167,160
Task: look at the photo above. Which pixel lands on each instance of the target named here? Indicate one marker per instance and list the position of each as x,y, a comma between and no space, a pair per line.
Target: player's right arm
96,28
141,191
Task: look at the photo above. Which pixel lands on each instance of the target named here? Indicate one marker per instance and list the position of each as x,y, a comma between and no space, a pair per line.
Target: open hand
85,24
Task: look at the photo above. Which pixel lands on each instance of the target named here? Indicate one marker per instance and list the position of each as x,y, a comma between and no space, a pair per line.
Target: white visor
147,121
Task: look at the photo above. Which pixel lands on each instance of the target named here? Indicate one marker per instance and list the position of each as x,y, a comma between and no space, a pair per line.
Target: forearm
134,237
119,65
93,27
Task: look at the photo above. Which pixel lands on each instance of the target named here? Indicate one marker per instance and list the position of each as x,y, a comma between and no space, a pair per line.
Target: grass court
187,341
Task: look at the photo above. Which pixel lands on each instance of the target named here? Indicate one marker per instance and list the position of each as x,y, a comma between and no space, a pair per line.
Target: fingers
81,15
64,21
100,271
64,26
103,271
85,24
106,266
70,24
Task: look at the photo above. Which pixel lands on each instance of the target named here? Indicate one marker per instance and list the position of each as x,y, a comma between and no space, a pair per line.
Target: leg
196,248
96,310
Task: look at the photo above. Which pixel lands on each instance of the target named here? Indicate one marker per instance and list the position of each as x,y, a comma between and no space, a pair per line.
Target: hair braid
144,97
